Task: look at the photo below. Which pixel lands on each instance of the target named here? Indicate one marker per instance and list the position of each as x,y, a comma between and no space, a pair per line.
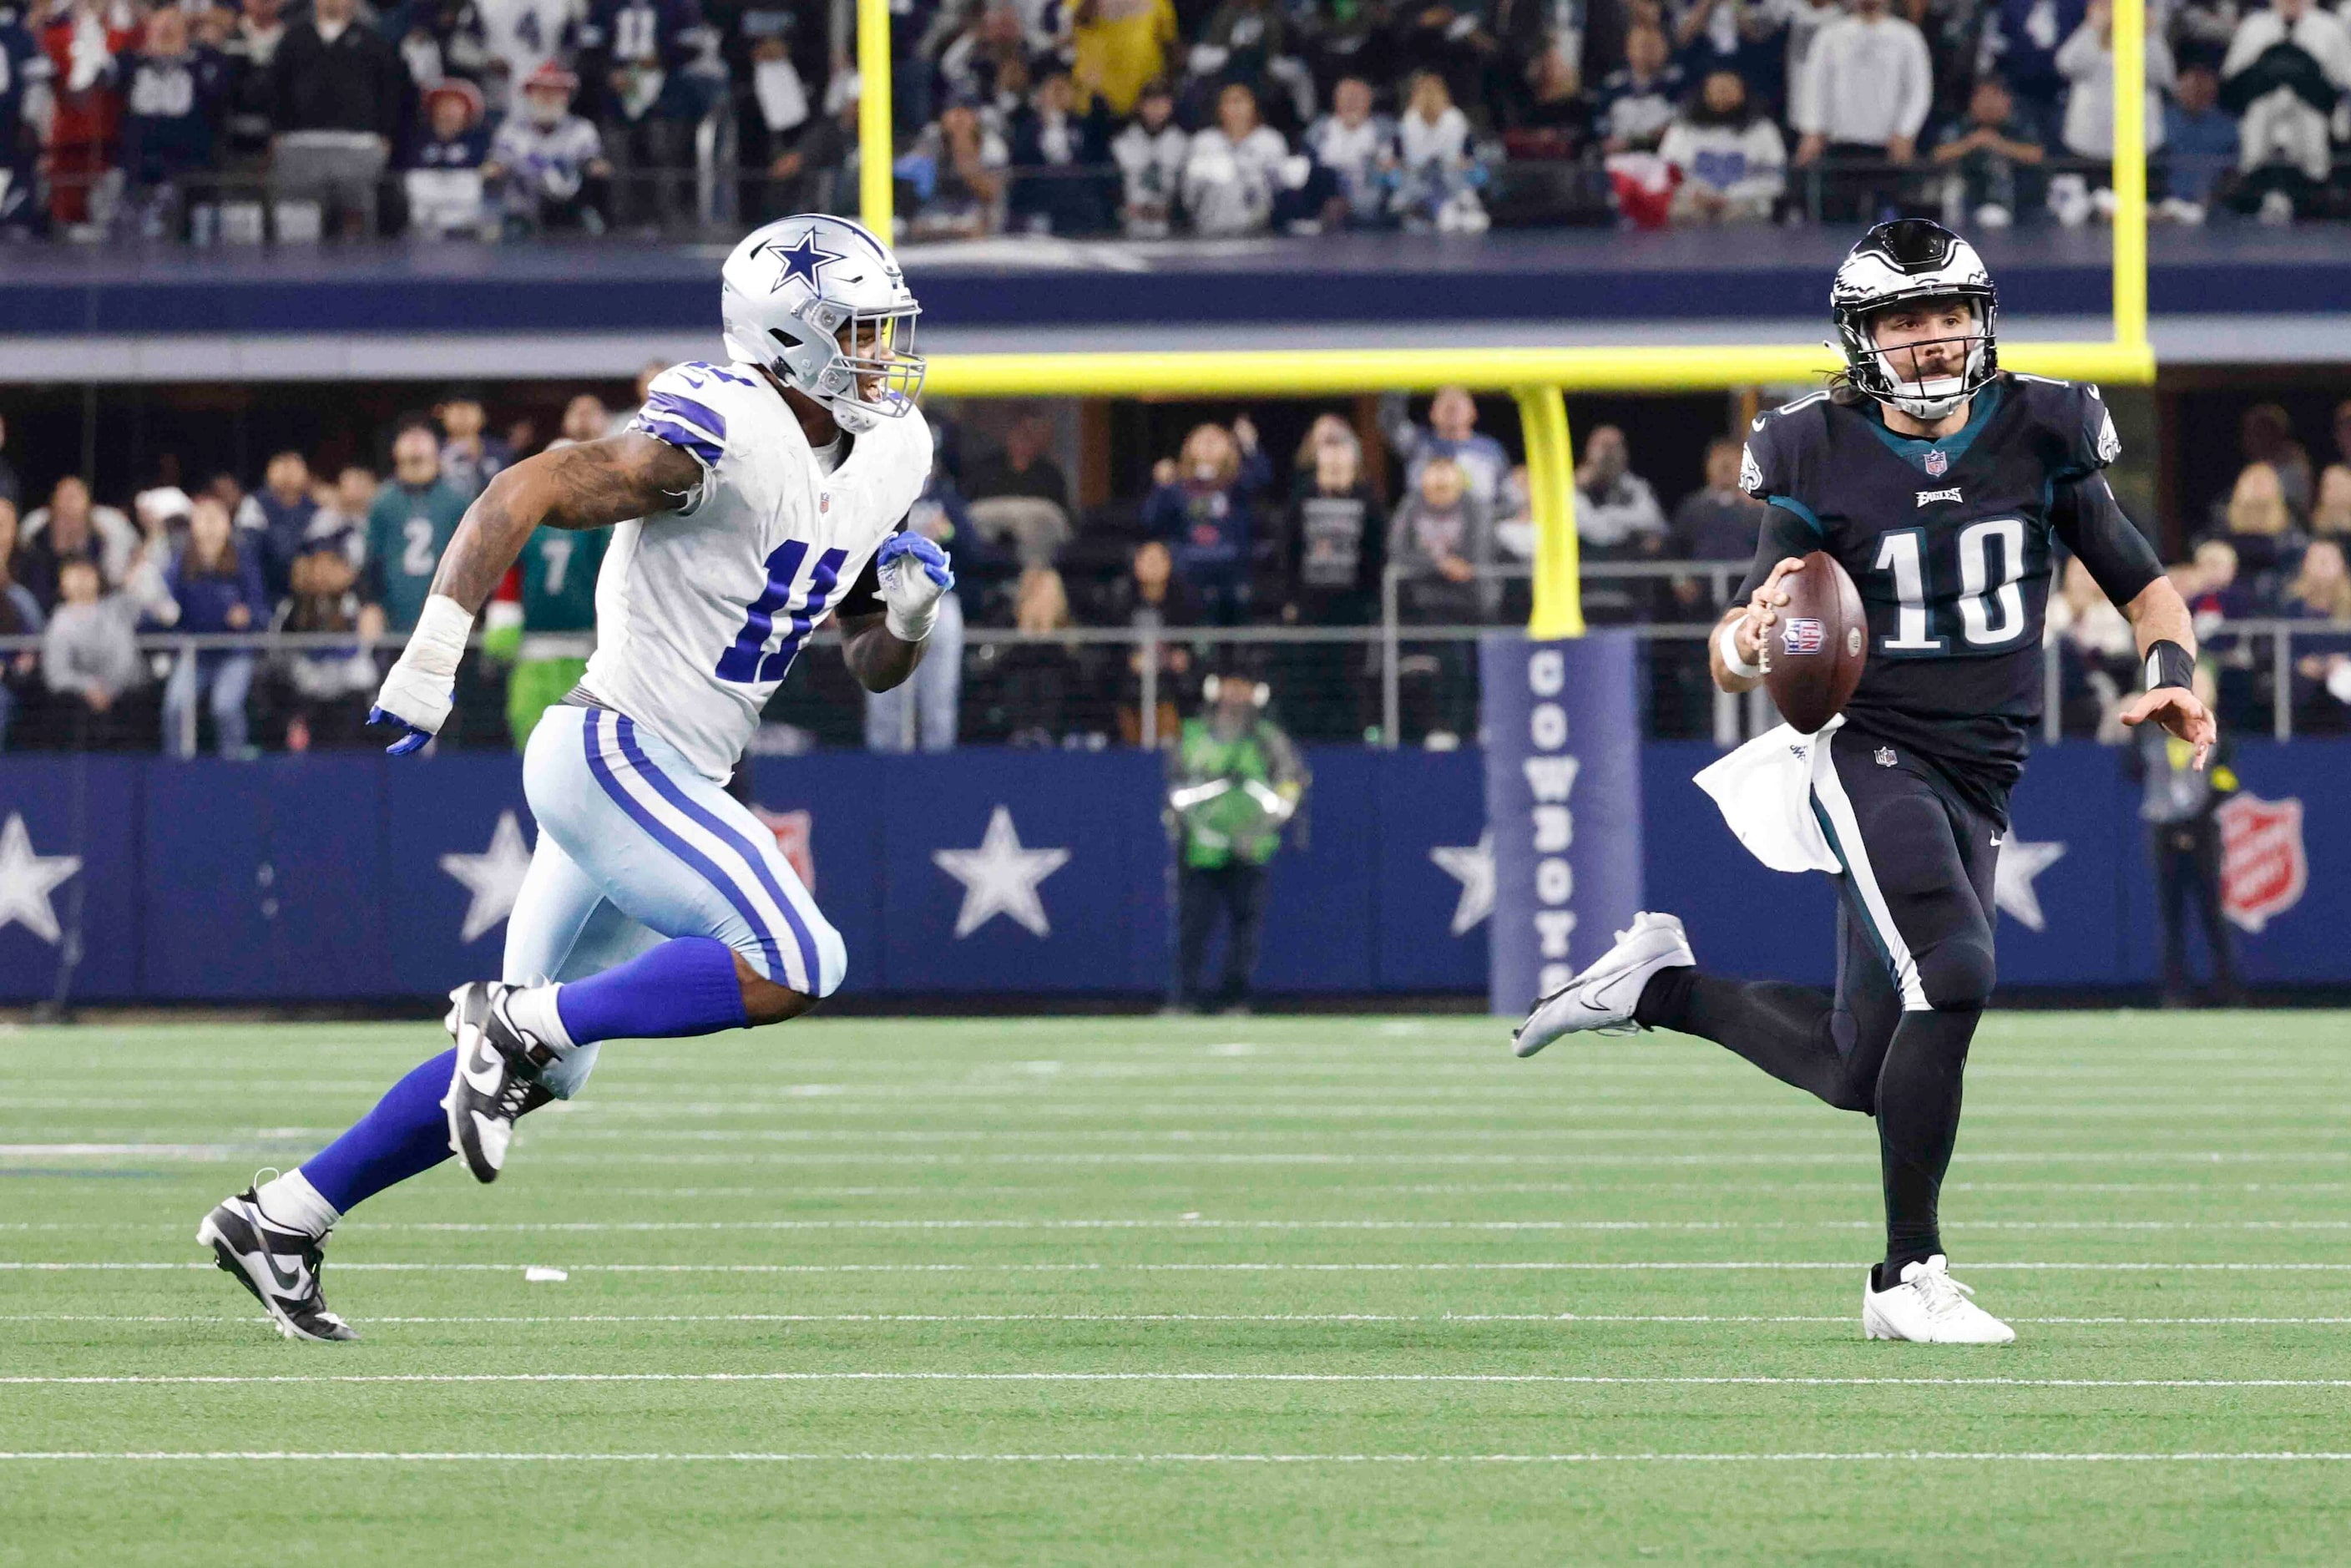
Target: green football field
1119,1289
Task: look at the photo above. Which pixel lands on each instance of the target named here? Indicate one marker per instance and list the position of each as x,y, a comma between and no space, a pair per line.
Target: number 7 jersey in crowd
1949,542
701,610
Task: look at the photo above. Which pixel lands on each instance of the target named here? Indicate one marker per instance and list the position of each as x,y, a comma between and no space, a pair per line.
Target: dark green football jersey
558,578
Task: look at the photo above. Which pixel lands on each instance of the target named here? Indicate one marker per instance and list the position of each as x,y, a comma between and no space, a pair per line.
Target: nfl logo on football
1804,635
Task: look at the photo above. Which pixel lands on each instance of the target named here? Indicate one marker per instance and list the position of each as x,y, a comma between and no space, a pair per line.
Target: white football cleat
1603,996
1929,1307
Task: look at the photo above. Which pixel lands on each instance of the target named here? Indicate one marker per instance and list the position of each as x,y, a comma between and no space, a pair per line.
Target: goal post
1537,378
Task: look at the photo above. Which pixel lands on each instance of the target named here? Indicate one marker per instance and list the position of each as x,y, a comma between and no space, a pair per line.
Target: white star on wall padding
26,880
494,877
1472,865
1000,878
2011,880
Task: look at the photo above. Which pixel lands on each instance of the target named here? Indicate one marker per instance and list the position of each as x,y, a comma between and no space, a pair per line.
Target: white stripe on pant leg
719,853
1831,794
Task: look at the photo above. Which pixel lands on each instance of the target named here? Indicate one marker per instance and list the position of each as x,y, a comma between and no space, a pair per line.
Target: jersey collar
1913,449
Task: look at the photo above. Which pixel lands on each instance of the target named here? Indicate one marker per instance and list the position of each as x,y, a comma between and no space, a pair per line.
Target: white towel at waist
1765,790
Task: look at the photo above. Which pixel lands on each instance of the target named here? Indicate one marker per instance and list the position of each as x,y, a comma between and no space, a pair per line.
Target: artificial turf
1117,1290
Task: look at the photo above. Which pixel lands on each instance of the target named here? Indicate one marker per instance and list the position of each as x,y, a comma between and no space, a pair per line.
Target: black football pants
1915,919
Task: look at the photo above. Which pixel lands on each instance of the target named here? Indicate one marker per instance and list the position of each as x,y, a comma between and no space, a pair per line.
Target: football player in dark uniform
1943,485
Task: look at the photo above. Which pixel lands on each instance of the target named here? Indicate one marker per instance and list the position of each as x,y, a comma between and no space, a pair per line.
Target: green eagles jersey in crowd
407,531
558,579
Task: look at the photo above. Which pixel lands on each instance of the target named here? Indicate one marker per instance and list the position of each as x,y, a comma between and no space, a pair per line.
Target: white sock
291,1203
533,1009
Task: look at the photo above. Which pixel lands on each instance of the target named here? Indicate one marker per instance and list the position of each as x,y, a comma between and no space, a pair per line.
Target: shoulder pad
1779,443
2074,417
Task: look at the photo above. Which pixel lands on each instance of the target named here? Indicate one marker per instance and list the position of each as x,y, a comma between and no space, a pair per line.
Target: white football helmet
791,295
1912,259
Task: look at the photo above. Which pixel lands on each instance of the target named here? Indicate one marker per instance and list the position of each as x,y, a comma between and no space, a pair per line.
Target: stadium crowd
226,122
1228,531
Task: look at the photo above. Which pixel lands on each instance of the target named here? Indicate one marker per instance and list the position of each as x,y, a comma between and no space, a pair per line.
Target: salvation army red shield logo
792,831
2264,867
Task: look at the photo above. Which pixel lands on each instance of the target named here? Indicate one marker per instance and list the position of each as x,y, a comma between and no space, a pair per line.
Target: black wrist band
2169,665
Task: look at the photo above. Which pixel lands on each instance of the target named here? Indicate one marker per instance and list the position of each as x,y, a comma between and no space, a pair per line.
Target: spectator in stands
1805,19
518,36
70,529
169,108
1712,36
774,111
1990,158
920,712
646,108
2199,146
807,175
2209,584
1234,168
23,67
410,524
20,616
1150,152
1550,117
1152,599
249,46
89,652
2261,526
1869,84
336,92
1718,522
549,161
1120,46
1451,432
279,512
2330,511
327,690
1358,148
12,489
1035,676
446,41
445,163
959,174
1441,540
1056,147
1637,102
2098,654
218,589
2265,435
1204,504
84,40
2342,431
1438,178
1617,519
2022,42
1024,467
2286,68
1334,546
469,459
1732,159
2086,60
2321,592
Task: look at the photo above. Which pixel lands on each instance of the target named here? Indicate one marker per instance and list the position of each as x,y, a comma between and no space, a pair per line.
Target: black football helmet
1907,260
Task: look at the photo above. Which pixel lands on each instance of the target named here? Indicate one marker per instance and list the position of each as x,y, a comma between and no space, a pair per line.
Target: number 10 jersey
1949,542
701,610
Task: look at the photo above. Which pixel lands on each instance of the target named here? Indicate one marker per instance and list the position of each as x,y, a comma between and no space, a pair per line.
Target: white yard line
1438,1319
1197,1224
1544,1378
1908,1456
1542,1265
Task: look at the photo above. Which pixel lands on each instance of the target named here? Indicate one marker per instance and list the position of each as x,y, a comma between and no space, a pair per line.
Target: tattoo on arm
592,485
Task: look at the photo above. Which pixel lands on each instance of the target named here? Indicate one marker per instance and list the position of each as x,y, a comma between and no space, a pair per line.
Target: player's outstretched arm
2167,648
592,485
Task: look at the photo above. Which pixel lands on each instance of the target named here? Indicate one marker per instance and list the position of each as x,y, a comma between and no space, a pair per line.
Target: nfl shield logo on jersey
1804,635
1935,462
2264,867
1884,755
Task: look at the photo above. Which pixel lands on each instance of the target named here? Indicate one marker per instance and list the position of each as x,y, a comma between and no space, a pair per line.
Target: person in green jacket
409,526
1236,780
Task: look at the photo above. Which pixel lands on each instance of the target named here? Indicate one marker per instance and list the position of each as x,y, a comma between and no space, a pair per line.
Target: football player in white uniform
750,501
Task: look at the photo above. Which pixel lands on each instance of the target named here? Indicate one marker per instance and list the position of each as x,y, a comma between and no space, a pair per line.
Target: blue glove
912,597
413,739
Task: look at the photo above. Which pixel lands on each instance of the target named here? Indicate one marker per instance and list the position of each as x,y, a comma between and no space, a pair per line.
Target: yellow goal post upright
1537,378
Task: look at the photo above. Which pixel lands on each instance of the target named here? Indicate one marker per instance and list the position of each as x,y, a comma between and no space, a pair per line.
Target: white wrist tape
1727,640
439,640
911,625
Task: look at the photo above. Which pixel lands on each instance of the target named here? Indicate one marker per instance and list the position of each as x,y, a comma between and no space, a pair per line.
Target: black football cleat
496,1078
281,1268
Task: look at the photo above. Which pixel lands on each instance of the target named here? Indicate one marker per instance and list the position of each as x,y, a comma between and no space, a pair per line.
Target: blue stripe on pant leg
677,846
716,826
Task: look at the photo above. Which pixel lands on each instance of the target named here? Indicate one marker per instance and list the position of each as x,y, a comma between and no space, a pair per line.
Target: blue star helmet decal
802,259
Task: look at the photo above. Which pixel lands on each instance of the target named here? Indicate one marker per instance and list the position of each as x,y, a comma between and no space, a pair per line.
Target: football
1812,658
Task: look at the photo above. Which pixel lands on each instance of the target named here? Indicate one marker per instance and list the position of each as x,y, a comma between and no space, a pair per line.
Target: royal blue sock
686,985
407,1132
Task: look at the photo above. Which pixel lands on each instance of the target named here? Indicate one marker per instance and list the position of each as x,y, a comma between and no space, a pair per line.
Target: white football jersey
700,610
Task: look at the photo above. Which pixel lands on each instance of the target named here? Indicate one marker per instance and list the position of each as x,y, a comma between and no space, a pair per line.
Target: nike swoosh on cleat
485,1080
286,1282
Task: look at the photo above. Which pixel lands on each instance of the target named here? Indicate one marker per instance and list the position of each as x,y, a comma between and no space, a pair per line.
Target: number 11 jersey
701,610
1949,542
